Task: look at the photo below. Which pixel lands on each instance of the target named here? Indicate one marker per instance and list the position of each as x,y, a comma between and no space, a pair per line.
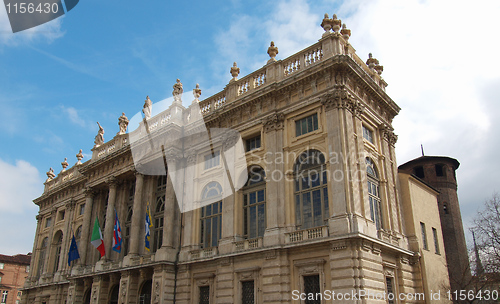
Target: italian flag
97,240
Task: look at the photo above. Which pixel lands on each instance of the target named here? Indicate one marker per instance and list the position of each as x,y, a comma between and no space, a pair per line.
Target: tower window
419,172
445,208
439,170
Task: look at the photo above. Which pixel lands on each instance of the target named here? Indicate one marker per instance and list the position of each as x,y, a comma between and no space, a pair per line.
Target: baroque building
284,184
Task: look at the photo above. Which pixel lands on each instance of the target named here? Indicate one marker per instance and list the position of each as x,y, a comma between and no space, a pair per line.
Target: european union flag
73,251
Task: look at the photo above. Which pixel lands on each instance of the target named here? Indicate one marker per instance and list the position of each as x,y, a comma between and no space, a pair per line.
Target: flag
97,240
117,235
73,251
148,228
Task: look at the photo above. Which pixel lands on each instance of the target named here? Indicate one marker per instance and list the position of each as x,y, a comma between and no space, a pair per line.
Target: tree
487,235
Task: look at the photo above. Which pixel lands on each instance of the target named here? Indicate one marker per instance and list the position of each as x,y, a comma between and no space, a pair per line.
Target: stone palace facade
321,207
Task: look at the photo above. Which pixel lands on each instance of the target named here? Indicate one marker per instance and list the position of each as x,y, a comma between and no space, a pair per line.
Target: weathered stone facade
320,109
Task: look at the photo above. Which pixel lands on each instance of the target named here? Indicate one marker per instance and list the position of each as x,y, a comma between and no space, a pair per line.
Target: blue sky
103,58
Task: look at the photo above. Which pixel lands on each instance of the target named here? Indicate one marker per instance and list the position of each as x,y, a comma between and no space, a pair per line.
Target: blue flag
117,235
73,251
147,244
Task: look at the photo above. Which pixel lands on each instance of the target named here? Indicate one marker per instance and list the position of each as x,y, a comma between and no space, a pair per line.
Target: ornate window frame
307,268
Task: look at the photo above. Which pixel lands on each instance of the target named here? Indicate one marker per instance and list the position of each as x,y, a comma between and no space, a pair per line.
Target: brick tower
439,172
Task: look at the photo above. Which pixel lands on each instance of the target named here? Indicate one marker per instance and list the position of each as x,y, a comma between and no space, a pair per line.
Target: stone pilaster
68,217
388,150
85,239
110,217
167,250
137,216
275,187
335,104
50,252
35,250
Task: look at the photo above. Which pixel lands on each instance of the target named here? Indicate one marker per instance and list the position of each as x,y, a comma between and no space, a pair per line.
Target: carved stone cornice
274,122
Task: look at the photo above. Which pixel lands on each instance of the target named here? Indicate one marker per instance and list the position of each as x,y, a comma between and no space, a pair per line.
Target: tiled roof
22,259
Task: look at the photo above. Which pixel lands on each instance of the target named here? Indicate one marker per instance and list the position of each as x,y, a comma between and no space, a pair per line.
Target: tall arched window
211,216
311,193
254,203
374,193
159,212
57,243
41,256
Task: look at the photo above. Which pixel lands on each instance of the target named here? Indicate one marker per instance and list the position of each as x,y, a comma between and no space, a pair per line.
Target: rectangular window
4,297
253,143
368,134
424,236
436,244
312,289
390,289
211,224
60,215
82,209
212,160
306,125
48,222
28,268
247,292
204,295
2,265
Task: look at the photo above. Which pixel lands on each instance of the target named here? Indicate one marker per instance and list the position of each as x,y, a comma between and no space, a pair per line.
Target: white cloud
19,185
47,32
73,115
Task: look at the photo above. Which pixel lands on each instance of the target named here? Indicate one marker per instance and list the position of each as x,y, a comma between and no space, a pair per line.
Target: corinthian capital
274,122
339,98
389,135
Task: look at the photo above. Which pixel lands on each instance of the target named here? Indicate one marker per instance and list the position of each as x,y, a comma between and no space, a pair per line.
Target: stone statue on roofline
327,24
79,156
64,164
146,109
123,123
99,138
272,51
197,93
235,71
178,90
50,175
